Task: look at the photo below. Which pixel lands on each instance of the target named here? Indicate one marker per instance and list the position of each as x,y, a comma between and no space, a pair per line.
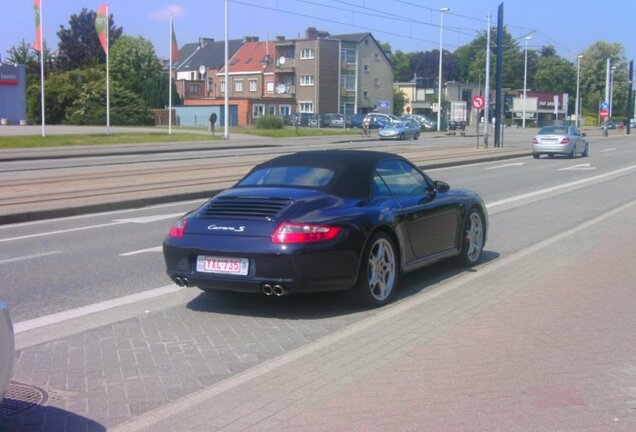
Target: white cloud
164,14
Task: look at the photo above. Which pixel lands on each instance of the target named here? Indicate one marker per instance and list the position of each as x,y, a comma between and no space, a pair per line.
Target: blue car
406,129
322,221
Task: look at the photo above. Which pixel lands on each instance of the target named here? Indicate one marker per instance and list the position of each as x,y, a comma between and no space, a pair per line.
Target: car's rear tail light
534,141
177,230
565,140
303,233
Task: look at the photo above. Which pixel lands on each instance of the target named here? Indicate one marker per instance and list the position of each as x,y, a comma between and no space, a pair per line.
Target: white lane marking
474,164
579,167
506,165
148,219
112,212
93,308
144,219
555,188
154,249
44,234
151,418
607,150
10,260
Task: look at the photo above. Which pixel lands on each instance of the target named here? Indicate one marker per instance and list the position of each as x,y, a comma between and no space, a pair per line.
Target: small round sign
478,102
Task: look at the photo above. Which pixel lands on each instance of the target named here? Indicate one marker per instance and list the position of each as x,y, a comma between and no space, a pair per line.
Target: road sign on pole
478,102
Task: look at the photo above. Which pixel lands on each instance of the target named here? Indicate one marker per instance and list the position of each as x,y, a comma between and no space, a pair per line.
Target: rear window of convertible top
289,176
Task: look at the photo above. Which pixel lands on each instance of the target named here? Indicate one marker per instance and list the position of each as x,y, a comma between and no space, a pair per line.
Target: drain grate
20,398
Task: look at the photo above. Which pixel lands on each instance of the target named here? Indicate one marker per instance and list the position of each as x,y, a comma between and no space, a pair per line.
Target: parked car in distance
325,220
378,120
334,120
425,122
355,120
405,129
563,140
7,348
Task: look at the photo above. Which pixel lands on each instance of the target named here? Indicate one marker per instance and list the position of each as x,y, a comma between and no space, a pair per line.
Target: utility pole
630,98
498,77
487,89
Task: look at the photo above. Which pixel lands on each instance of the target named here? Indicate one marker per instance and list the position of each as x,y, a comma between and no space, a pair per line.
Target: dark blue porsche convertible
325,220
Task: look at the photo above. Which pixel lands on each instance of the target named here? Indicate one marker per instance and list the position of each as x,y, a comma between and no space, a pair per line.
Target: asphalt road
54,265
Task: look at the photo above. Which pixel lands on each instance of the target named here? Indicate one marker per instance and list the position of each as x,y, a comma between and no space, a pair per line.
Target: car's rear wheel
473,240
536,155
379,272
572,154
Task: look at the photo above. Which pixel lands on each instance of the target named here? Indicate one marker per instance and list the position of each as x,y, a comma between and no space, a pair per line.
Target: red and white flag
38,26
101,25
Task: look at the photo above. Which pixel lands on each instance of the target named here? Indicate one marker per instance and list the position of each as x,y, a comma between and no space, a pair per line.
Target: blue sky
408,25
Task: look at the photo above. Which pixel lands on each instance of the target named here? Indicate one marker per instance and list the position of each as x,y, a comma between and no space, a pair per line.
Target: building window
271,110
222,83
238,85
377,82
270,87
348,55
306,107
194,88
306,53
348,82
252,85
258,110
284,110
306,80
210,85
365,93
366,68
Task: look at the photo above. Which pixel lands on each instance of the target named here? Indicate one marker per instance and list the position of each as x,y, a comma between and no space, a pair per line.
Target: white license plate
222,265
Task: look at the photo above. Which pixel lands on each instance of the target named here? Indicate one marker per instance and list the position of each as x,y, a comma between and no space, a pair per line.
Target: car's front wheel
536,155
473,239
586,152
379,272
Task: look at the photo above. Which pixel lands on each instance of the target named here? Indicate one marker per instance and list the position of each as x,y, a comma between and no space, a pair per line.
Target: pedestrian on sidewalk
212,122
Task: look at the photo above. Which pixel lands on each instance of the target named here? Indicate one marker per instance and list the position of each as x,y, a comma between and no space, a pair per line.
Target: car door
429,218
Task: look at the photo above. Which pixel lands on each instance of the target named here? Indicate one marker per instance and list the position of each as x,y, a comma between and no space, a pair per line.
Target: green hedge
269,122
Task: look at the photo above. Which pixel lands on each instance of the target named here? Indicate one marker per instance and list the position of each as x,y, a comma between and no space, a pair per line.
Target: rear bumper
298,271
552,148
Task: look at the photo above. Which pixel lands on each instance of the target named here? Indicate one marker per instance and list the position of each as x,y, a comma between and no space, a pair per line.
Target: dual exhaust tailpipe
182,281
276,289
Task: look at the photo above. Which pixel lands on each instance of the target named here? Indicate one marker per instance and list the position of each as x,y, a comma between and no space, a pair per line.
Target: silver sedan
7,349
563,140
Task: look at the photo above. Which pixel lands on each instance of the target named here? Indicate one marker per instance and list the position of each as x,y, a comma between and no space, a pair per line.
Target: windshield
554,130
288,176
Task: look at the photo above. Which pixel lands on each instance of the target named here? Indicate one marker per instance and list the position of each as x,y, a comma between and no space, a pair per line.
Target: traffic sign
478,102
384,104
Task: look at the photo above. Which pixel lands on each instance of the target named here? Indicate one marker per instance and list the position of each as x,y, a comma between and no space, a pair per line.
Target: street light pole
439,84
525,83
611,90
578,75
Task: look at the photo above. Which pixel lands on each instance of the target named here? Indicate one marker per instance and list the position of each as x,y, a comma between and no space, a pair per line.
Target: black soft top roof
352,168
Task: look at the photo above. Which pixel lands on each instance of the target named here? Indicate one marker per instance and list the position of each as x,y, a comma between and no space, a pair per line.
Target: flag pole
107,70
170,82
41,41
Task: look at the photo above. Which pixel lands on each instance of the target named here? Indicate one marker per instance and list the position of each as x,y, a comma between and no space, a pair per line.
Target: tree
133,62
62,90
593,73
426,64
399,101
555,74
401,66
126,107
471,60
24,54
79,44
155,92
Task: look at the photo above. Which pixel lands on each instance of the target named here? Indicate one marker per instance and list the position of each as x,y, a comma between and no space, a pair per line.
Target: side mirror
441,186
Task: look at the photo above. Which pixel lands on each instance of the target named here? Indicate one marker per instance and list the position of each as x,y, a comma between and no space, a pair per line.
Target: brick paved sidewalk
508,348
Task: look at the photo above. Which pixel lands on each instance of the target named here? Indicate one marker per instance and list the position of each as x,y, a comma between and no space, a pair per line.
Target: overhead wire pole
487,89
630,98
226,132
607,91
499,74
170,80
40,43
439,78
